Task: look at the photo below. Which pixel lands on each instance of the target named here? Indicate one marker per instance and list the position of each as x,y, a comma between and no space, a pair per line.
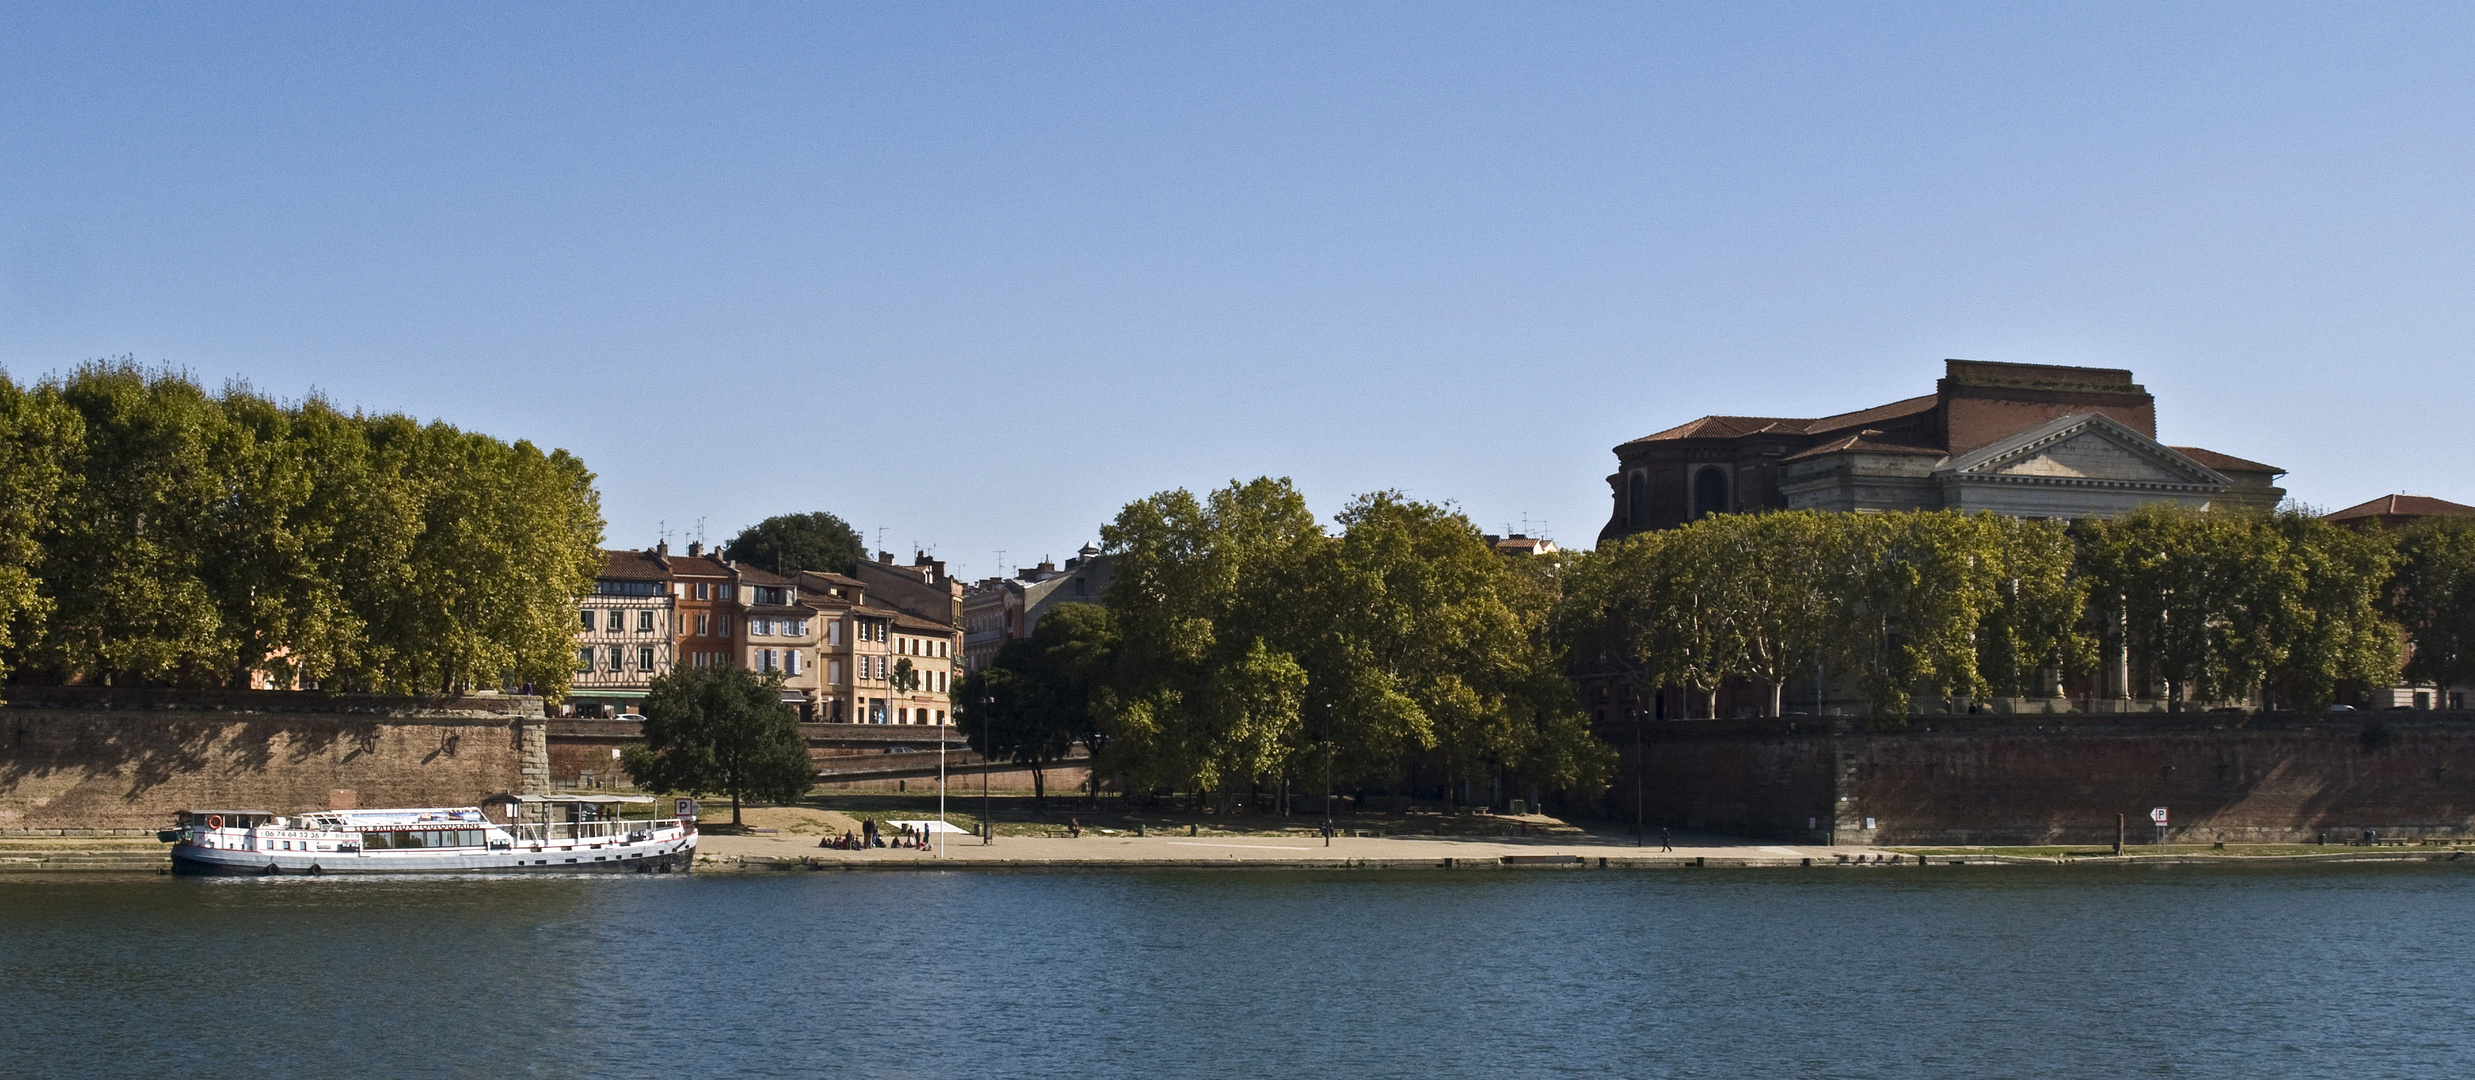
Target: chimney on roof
885,557
662,548
695,548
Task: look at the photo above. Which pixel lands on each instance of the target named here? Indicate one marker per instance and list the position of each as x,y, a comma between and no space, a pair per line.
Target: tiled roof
1862,443
781,609
2223,462
2404,506
633,566
1730,427
697,566
1875,415
1725,427
905,621
749,575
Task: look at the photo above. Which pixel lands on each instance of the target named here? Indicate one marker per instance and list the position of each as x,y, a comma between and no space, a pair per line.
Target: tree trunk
1039,788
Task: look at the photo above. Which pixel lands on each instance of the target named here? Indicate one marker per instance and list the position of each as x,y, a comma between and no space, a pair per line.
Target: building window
833,672
1636,500
764,659
940,718
772,594
584,659
833,632
702,592
799,628
704,625
617,658
588,618
644,657
790,661
644,622
1709,492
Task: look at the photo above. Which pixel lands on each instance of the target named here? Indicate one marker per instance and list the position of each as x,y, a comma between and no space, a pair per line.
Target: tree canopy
2433,595
2214,606
721,729
156,533
1043,694
789,543
1253,645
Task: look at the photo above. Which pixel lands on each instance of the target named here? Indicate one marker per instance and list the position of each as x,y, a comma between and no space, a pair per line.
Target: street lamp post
941,826
988,825
1641,824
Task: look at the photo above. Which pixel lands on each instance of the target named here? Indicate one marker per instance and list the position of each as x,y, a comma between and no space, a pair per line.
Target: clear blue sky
976,276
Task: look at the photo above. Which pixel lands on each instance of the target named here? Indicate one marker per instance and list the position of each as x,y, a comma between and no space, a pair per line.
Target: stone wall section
131,760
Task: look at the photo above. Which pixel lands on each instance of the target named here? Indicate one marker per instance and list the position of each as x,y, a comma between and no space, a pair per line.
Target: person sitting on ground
1074,828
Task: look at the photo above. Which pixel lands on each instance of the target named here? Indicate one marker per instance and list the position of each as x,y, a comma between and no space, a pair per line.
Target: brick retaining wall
2062,779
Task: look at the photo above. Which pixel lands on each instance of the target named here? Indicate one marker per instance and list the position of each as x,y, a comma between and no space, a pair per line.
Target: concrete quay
771,854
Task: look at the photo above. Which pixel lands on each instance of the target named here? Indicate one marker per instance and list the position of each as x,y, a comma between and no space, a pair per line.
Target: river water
1889,972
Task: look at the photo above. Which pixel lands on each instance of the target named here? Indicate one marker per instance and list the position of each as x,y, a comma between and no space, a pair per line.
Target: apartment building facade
999,610
842,656
624,635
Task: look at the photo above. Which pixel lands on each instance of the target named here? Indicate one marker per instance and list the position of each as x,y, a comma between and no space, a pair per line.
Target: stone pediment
2090,449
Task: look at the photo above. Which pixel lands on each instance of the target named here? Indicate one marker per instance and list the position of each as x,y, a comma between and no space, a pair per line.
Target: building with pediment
2026,440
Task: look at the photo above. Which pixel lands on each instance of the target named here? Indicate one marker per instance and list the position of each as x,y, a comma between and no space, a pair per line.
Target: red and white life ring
214,821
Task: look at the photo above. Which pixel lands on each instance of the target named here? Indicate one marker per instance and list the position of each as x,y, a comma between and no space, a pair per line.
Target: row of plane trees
154,532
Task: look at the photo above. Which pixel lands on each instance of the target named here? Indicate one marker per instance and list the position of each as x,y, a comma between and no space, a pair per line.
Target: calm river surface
1964,972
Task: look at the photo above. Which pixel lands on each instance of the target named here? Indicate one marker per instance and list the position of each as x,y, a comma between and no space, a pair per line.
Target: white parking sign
2158,815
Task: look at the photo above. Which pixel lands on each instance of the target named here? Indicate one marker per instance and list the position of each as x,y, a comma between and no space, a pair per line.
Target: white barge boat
552,833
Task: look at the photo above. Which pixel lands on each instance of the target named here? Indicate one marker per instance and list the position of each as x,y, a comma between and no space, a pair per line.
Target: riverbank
774,854
777,854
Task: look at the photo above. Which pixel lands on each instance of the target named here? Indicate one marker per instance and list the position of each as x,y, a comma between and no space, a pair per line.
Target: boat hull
650,857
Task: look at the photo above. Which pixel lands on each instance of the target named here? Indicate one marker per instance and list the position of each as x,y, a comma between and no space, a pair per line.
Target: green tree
2342,633
721,730
1420,638
2432,593
39,437
2033,635
789,543
1915,587
1042,694
506,537
2208,601
132,544
1203,592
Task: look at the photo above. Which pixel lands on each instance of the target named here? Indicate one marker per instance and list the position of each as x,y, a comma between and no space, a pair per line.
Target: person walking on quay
1327,830
1666,843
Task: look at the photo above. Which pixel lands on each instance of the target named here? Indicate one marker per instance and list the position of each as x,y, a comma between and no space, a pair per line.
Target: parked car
2339,709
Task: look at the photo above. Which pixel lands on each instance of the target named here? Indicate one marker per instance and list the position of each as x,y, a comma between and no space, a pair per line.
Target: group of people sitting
872,837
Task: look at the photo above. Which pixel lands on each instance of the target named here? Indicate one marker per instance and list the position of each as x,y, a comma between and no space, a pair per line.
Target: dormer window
774,595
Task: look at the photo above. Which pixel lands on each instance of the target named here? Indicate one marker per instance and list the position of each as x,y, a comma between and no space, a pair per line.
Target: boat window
374,841
468,838
410,839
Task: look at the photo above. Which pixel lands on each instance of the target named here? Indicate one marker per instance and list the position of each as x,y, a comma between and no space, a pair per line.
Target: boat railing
564,831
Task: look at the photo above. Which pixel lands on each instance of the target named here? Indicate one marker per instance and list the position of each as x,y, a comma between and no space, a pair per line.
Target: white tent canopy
929,826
